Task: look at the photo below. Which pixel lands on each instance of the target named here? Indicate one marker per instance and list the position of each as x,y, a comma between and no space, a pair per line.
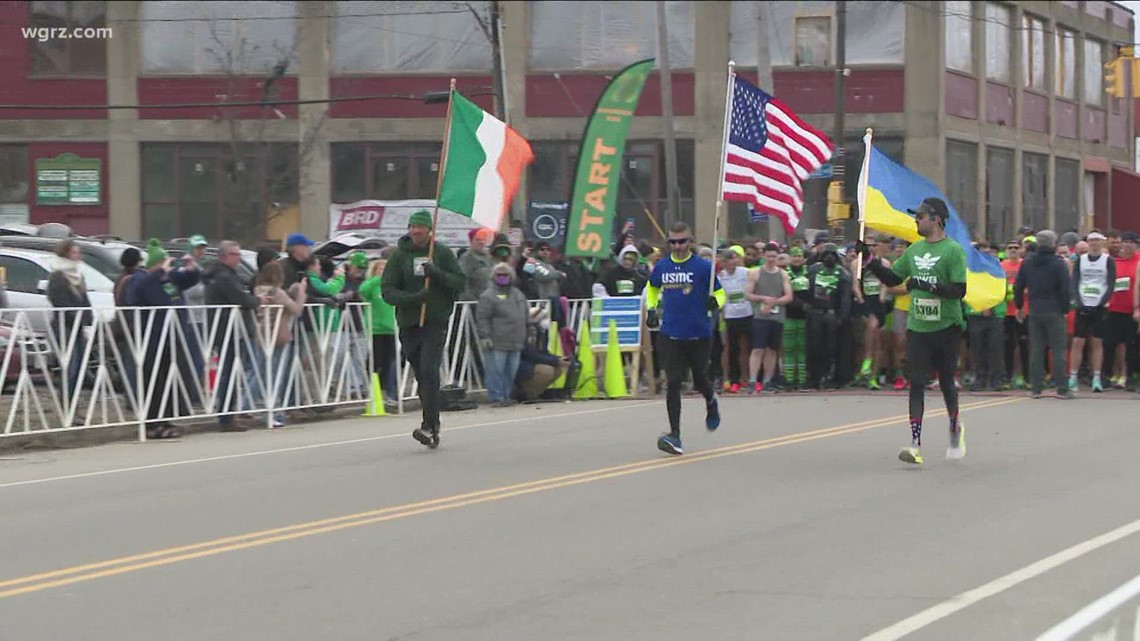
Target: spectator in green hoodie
422,281
383,329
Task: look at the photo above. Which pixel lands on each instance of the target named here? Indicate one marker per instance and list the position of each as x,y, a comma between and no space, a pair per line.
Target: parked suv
27,272
103,255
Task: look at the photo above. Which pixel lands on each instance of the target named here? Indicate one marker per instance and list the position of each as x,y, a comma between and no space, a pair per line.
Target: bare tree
262,177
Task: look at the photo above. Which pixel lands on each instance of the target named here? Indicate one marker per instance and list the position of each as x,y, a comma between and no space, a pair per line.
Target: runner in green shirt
934,270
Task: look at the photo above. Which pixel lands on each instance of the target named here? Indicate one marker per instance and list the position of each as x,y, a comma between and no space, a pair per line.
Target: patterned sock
954,425
916,433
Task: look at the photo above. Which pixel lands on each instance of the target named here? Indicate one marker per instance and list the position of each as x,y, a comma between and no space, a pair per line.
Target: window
23,276
384,171
13,184
1065,64
371,37
1068,185
999,194
1035,190
962,181
213,190
875,32
1094,72
606,35
813,41
238,38
85,56
999,42
1033,53
959,36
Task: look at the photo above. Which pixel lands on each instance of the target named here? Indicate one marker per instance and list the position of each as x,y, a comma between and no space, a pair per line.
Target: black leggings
1016,335
423,349
678,358
932,351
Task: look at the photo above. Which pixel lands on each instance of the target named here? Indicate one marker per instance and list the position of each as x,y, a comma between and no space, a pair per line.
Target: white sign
388,220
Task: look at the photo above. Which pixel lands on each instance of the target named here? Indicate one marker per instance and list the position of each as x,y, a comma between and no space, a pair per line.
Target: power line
481,91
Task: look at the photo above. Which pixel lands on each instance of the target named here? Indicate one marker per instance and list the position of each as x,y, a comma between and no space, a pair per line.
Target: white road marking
311,446
999,585
1093,612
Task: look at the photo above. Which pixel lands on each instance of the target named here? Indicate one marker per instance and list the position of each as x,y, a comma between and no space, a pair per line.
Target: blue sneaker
712,415
670,445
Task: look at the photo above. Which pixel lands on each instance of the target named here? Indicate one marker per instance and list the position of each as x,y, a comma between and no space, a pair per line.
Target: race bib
418,265
927,309
1121,284
1090,290
624,286
736,297
871,287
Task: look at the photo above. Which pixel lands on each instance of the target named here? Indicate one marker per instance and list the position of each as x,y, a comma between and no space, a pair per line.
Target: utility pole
764,80
837,209
498,83
672,190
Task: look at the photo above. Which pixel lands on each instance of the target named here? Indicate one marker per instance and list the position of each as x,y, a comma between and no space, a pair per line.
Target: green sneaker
1073,383
911,455
873,384
1019,382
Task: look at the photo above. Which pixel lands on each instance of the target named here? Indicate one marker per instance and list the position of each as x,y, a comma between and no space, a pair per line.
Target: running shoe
757,387
1019,382
712,415
900,384
1073,383
1067,395
957,448
873,384
734,388
911,455
670,445
1097,387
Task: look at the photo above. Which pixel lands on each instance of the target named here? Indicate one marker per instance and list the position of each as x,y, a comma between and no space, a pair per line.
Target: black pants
1016,334
823,346
1119,328
932,351
1047,331
985,349
423,349
384,362
156,371
678,358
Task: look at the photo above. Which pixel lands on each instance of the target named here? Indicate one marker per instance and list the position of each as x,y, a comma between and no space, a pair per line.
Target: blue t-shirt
684,291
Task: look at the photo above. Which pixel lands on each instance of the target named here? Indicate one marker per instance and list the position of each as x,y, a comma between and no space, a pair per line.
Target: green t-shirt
942,262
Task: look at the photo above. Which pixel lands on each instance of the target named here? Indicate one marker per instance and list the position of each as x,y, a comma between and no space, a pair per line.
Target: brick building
1000,103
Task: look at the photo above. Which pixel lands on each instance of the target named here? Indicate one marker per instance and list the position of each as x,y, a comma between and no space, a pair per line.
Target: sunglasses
679,241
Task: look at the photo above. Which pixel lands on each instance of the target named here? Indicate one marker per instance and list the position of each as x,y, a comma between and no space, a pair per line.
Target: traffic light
837,209
1114,78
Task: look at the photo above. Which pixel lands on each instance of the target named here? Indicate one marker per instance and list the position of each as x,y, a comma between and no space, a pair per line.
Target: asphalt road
794,521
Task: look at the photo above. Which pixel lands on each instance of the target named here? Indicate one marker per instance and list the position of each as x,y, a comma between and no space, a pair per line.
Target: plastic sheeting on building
606,35
875,31
216,37
371,37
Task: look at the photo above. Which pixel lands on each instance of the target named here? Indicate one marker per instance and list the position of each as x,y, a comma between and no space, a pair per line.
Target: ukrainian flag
887,190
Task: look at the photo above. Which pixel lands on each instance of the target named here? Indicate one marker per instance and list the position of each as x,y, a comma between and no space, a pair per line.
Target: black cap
933,207
542,245
1129,237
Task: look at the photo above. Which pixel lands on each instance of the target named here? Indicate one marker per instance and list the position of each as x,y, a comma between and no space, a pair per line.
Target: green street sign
68,179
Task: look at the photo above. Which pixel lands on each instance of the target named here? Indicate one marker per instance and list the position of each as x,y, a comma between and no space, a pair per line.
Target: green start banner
599,163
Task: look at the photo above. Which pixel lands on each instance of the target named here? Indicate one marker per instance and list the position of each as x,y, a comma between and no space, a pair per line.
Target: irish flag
485,161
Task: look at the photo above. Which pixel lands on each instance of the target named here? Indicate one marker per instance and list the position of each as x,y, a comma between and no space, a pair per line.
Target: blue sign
755,216
825,171
625,312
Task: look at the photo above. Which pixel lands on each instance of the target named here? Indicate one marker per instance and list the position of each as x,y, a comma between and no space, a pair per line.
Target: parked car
27,273
176,249
18,347
103,255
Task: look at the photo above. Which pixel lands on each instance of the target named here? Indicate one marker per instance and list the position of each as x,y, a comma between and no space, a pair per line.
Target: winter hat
1070,238
358,259
795,251
197,240
502,268
629,249
130,258
155,254
421,217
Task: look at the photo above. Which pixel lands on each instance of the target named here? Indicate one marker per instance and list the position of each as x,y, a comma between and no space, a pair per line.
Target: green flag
599,163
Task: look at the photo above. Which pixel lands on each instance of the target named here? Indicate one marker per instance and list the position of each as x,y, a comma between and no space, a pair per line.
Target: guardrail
74,369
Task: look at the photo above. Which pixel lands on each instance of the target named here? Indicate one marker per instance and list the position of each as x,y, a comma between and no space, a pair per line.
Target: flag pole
861,197
438,188
723,159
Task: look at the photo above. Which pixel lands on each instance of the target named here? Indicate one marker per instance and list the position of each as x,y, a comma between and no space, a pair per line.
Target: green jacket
401,287
327,317
383,314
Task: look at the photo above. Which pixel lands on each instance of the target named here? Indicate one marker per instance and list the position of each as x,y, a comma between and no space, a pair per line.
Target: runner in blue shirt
680,283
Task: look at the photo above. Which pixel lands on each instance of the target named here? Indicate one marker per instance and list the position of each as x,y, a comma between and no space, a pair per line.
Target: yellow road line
112,567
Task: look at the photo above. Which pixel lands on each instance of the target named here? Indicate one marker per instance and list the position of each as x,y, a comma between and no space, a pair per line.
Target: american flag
770,153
